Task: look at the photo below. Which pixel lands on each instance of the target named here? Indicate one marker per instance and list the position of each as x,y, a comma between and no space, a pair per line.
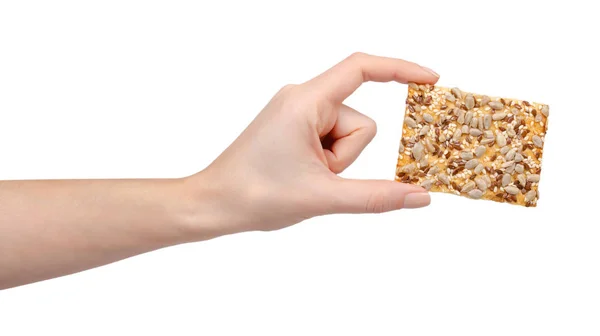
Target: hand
283,168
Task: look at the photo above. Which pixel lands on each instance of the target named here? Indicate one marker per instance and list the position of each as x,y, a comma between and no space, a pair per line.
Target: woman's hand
283,168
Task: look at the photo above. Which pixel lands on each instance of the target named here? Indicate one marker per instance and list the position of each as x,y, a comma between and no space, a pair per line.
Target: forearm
57,227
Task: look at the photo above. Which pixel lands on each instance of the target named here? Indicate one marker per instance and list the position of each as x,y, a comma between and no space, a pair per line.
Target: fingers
351,133
344,78
376,196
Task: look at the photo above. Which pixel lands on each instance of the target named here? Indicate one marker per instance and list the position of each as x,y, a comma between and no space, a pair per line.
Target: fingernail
416,200
431,71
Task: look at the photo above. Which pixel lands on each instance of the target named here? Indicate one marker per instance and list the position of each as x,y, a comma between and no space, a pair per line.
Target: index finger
344,78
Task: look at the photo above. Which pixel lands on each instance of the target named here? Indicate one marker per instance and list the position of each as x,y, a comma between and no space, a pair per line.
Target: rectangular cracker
472,145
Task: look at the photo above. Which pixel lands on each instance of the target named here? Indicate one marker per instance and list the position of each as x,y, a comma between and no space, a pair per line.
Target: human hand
280,171
283,168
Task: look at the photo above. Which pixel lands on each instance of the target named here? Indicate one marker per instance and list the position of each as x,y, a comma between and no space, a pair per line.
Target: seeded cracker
472,145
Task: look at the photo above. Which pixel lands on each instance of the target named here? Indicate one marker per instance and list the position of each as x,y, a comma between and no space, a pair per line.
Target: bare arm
277,173
56,227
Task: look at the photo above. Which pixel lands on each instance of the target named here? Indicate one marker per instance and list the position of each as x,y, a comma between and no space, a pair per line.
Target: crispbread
473,145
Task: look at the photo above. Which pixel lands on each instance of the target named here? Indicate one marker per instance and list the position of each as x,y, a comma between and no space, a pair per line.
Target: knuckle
358,55
287,95
286,89
371,127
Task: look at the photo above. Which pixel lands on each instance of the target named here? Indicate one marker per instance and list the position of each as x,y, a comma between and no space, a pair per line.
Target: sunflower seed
487,141
465,129
488,134
468,117
533,178
424,162
510,155
522,179
466,155
507,164
429,146
468,187
480,151
487,121
443,178
456,92
413,86
506,179
537,141
514,111
485,100
442,138
427,117
510,169
474,122
461,117
456,111
409,168
545,110
471,164
434,170
480,123
512,190
510,131
424,130
481,183
475,193
417,151
457,134
501,140
518,157
469,101
519,168
496,105
498,116
475,132
538,117
478,169
418,118
450,97
417,108
530,196
426,184
410,122
504,150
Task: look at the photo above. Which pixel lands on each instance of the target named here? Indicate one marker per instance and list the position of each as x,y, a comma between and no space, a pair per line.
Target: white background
102,89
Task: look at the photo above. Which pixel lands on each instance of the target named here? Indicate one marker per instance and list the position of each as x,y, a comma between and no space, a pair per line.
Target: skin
280,171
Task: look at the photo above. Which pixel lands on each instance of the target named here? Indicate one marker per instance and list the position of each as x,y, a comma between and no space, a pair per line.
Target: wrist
206,208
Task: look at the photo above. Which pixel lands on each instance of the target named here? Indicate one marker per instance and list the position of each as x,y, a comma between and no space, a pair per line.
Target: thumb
376,196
